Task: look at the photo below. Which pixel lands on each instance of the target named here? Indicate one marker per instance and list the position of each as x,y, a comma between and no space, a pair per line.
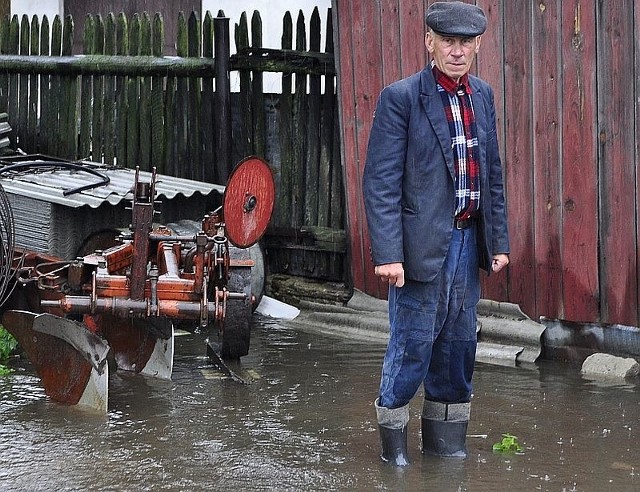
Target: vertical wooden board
206,112
23,89
312,170
328,101
97,130
184,166
45,81
133,120
616,159
244,141
143,118
84,138
412,29
299,134
519,155
4,78
257,92
283,203
365,40
490,64
637,142
392,52
34,87
547,200
109,93
346,79
55,99
121,119
580,276
158,130
193,122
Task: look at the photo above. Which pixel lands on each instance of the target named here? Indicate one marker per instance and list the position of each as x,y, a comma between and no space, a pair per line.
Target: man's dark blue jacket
408,181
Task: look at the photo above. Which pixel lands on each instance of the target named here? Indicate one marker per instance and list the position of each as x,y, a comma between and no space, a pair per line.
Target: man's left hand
499,262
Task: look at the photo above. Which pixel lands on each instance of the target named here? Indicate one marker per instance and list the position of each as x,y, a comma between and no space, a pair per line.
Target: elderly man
435,207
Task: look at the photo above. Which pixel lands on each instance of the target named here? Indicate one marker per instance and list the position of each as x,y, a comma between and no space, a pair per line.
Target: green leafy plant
7,345
509,444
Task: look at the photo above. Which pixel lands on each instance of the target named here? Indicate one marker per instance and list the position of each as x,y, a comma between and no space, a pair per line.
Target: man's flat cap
456,19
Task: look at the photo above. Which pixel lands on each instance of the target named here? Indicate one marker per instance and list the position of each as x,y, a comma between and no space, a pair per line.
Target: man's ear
428,41
478,39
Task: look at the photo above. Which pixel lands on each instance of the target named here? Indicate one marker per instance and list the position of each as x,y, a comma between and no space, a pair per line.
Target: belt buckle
462,224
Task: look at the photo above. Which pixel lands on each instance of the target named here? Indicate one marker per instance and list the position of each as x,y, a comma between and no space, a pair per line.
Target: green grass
7,345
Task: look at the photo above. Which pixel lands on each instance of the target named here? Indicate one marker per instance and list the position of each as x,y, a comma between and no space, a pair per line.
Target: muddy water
305,422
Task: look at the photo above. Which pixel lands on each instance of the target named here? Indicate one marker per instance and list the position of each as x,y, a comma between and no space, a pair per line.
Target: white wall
50,8
271,13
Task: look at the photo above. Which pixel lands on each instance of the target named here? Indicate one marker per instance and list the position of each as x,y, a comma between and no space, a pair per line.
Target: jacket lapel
432,105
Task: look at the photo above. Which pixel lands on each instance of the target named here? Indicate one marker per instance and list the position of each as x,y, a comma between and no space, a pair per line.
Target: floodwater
305,421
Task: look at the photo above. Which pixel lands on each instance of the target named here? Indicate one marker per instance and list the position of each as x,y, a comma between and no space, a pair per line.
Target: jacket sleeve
383,176
499,229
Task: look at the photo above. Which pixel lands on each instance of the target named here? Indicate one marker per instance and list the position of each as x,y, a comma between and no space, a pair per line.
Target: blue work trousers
433,330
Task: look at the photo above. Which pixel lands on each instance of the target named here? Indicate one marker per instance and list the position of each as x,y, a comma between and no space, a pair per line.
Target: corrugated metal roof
48,185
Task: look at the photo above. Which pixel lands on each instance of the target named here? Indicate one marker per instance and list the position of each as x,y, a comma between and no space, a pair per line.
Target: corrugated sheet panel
49,186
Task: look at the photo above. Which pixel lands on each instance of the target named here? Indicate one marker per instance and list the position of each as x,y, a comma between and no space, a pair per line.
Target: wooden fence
567,90
122,102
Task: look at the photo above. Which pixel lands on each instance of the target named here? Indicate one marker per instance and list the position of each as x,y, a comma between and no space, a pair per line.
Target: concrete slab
610,366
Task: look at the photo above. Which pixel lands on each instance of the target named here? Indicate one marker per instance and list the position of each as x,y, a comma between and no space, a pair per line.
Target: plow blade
70,360
143,346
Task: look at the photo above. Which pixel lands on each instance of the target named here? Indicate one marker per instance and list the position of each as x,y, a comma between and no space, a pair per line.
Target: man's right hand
391,272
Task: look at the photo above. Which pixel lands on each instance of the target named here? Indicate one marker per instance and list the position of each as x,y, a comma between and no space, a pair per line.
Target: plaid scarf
456,99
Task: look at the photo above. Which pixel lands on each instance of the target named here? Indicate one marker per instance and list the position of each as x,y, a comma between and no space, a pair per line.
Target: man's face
453,55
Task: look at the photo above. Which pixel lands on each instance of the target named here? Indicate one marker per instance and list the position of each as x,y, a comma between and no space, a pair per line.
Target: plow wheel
142,346
236,327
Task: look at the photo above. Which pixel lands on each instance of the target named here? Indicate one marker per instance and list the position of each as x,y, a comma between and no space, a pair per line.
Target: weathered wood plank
86,91
490,63
132,149
547,200
24,140
282,212
257,94
54,142
519,154
412,30
617,170
244,143
365,35
580,279
158,132
193,86
207,108
121,84
312,158
45,93
391,33
184,165
34,87
109,93
144,160
97,134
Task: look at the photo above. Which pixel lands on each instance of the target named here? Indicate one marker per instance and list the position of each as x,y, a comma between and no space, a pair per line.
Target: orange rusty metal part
248,202
129,338
63,370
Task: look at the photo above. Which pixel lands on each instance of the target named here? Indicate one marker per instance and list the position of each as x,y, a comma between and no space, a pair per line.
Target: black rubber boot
394,446
444,438
392,424
444,428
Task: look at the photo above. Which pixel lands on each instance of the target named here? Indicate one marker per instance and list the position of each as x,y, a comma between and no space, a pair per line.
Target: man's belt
464,223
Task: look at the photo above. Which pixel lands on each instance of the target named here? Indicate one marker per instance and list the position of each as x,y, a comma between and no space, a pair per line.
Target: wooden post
222,96
5,7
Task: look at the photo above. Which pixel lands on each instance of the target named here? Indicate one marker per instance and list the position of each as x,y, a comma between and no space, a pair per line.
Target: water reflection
305,421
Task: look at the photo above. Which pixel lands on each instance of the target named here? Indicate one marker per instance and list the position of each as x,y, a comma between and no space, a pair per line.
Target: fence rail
123,102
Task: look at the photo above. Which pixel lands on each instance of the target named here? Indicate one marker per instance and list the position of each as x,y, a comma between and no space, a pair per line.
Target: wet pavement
305,421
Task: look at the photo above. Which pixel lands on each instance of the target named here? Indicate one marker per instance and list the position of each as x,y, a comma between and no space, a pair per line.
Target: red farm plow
118,306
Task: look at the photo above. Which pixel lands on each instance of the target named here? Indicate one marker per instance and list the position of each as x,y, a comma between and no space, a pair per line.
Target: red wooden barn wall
568,114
